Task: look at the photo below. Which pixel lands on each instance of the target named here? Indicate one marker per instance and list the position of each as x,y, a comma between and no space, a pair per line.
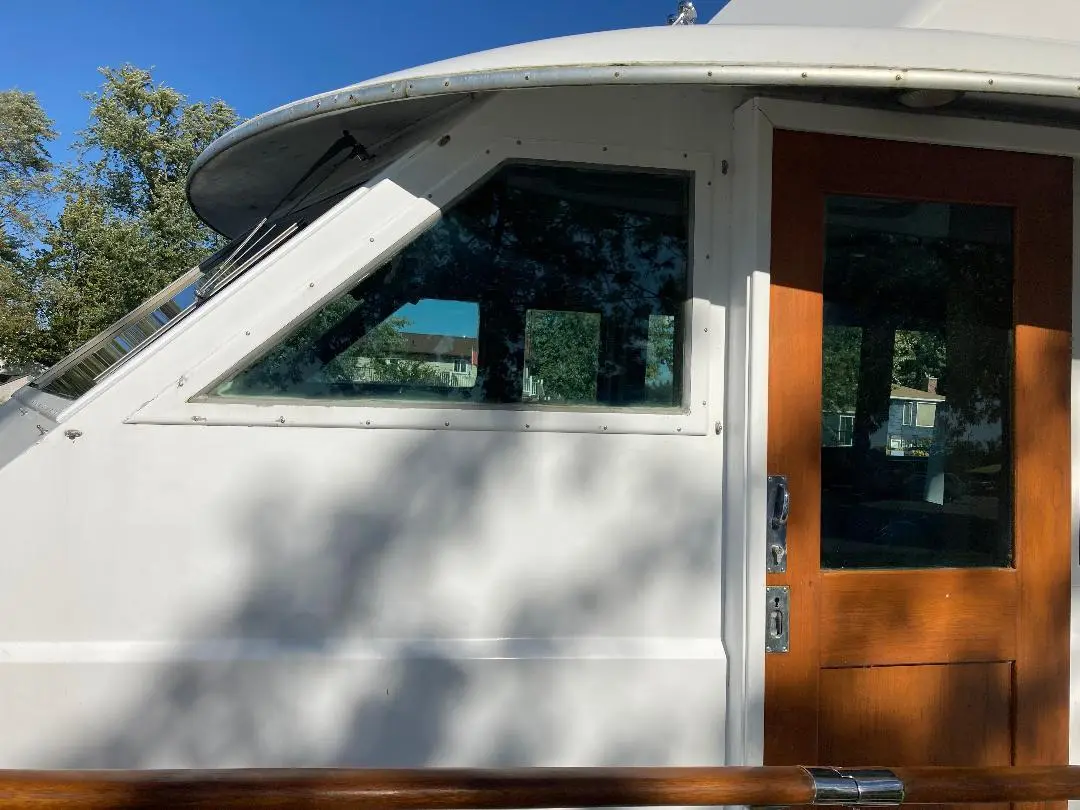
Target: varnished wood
1014,620
894,714
927,785
428,789
933,617
446,789
793,446
1041,444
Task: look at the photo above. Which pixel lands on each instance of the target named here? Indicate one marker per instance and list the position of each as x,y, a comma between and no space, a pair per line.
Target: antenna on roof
686,15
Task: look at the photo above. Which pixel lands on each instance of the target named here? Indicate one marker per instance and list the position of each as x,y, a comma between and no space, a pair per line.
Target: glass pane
84,368
551,285
916,376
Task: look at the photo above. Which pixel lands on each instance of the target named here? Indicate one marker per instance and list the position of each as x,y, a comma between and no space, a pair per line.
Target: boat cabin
693,395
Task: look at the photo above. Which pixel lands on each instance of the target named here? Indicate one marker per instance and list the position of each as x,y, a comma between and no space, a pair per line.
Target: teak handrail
447,789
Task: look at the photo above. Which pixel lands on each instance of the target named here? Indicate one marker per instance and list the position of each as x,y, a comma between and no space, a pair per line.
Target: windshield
89,364
102,355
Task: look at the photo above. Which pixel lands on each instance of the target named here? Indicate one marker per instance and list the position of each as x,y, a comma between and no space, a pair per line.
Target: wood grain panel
933,616
795,317
948,714
1009,702
1041,449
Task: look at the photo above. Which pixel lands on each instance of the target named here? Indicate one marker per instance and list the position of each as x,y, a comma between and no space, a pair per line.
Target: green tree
25,167
25,183
916,356
841,353
125,230
563,350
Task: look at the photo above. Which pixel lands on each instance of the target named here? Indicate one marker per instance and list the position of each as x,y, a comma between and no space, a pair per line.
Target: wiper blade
259,243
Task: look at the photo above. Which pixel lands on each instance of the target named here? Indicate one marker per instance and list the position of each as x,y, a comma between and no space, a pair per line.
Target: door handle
779,505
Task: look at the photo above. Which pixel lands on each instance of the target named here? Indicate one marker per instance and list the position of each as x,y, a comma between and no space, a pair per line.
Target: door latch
777,619
779,501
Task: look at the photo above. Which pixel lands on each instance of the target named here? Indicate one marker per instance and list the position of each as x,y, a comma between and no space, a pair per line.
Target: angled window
84,368
550,285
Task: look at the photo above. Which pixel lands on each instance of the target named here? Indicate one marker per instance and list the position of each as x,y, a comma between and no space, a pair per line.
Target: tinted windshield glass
86,366
553,285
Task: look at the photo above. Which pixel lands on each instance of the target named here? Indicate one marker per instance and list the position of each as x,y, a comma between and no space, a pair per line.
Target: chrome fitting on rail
856,786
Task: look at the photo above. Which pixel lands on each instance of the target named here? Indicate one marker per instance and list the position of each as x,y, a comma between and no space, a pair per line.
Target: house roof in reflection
439,345
903,392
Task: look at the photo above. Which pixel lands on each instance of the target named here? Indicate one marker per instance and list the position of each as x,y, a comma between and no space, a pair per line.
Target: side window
553,285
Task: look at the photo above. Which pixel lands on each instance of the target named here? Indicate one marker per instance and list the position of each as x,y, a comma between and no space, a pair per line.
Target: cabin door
919,409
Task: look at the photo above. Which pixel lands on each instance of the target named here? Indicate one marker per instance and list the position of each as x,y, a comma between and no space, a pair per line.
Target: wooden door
919,406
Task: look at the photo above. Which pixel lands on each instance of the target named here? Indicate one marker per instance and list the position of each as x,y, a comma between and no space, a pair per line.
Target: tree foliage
25,168
25,181
124,229
563,349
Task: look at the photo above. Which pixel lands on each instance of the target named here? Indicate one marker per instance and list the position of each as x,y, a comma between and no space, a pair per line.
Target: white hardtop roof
1040,19
244,174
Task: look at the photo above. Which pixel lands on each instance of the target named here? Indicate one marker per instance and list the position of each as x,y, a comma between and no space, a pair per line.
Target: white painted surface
289,595
1050,19
10,387
825,51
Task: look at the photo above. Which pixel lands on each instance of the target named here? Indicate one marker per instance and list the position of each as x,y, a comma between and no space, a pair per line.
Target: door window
916,376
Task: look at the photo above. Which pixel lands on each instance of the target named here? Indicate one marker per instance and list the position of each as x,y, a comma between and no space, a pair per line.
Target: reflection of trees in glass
841,347
660,359
914,290
916,357
563,350
929,286
379,356
537,238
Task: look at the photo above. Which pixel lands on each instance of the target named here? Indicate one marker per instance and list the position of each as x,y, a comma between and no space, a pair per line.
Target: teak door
919,407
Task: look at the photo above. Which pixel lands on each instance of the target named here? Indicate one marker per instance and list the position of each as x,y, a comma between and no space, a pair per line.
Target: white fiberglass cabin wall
460,454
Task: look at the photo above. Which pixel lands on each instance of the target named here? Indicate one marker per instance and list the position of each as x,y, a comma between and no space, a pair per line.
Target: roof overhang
244,174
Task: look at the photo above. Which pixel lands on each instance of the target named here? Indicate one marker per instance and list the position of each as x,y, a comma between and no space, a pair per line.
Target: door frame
744,521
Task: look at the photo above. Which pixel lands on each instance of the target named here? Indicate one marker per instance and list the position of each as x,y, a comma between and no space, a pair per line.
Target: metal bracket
685,15
777,609
779,506
872,787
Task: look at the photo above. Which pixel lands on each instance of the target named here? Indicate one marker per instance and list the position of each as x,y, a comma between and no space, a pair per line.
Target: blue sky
259,55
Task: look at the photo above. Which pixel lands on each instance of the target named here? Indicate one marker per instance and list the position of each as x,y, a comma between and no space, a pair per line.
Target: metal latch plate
777,633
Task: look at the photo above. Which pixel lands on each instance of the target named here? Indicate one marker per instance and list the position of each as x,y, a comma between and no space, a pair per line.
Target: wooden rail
443,789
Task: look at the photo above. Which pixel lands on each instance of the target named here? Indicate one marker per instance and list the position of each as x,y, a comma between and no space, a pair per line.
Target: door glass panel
916,376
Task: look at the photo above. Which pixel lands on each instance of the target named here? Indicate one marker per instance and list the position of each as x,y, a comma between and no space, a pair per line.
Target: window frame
419,188
919,408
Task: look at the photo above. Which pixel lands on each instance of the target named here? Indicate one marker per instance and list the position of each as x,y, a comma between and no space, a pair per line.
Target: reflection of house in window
912,417
441,360
837,429
453,359
846,433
